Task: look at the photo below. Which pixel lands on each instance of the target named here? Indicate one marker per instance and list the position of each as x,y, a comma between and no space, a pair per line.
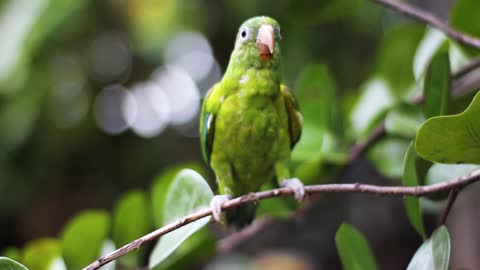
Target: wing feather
295,120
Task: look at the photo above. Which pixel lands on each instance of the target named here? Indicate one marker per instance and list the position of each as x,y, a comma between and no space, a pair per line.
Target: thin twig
430,19
451,199
467,68
359,148
228,243
461,84
454,183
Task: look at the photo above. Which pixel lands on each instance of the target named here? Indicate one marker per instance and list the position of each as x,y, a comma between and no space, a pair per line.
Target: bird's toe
297,187
216,204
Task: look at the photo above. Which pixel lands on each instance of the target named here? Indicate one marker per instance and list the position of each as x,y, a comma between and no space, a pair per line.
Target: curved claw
296,186
216,205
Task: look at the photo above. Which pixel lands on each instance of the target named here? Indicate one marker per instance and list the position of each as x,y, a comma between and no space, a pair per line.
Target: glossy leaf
410,179
387,156
161,186
131,220
187,192
437,86
464,17
107,248
404,120
432,41
9,264
434,253
371,106
197,247
442,172
453,138
353,248
83,238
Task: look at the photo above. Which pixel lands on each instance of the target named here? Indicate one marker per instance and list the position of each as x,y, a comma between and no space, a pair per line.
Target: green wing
207,128
295,120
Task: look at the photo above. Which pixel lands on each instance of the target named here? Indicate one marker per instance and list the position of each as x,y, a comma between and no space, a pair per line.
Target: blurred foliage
354,249
63,149
433,253
410,179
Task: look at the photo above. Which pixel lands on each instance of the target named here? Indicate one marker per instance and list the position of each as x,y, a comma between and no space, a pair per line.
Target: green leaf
131,220
28,24
197,247
316,94
12,253
376,97
395,59
107,248
188,192
453,138
437,86
310,143
9,264
433,253
464,17
353,248
387,156
410,179
41,254
404,120
161,186
83,238
432,41
442,172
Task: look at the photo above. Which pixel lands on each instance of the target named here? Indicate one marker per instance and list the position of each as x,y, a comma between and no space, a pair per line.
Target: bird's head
257,42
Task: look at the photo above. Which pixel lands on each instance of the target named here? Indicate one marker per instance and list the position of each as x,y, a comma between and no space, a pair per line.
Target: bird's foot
296,186
216,204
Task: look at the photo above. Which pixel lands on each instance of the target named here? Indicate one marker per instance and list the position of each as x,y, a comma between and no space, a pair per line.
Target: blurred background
99,97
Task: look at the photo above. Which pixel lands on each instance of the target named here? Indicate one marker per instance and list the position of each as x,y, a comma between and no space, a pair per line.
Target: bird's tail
240,216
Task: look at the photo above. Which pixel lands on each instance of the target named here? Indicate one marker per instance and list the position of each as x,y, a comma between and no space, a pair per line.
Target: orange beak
266,40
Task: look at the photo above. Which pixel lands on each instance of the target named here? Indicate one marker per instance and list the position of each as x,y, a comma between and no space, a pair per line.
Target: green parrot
250,122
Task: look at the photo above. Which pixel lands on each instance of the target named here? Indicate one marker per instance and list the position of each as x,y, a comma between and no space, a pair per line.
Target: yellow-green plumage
249,121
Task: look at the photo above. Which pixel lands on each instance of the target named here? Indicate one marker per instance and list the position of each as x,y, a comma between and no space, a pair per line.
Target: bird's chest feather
249,122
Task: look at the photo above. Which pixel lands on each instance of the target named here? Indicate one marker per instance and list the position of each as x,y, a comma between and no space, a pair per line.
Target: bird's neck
254,79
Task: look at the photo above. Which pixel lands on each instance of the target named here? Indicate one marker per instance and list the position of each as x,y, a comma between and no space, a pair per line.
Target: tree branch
451,184
430,19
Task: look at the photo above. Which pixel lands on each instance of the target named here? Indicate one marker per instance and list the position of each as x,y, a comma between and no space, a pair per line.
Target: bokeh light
109,109
183,95
192,52
151,113
110,58
69,98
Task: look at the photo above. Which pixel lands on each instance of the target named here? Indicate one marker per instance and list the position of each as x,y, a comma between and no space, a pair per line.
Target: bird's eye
244,33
